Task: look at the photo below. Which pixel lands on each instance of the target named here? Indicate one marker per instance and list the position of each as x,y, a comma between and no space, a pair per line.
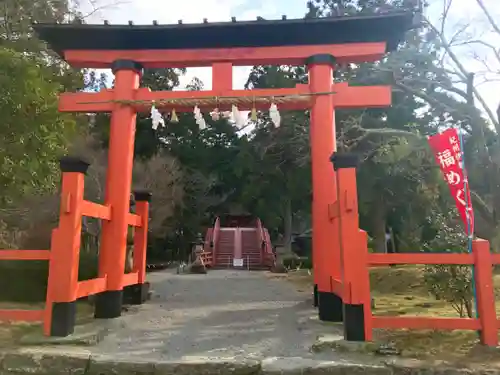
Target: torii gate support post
137,294
65,250
325,228
353,252
118,188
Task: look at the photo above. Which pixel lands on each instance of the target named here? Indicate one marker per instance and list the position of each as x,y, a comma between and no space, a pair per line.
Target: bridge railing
215,237
207,258
262,241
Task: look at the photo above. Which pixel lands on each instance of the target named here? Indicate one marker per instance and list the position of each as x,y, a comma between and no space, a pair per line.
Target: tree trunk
287,224
468,308
129,255
129,260
393,241
378,226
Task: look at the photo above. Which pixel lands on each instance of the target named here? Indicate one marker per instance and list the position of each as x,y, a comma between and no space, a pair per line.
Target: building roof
388,27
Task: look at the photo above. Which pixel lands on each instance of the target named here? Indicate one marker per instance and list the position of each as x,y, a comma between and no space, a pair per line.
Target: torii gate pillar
325,230
118,189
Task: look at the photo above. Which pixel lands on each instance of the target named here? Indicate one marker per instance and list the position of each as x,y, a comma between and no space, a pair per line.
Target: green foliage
17,16
281,157
450,283
27,280
33,133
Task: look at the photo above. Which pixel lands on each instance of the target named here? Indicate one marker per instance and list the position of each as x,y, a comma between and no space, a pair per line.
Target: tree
162,176
432,89
281,157
18,15
211,167
452,95
33,132
380,136
451,283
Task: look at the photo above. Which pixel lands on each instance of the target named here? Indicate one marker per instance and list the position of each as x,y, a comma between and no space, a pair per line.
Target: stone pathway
223,323
223,314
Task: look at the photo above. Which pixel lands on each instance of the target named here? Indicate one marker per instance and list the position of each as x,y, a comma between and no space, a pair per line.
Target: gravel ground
222,314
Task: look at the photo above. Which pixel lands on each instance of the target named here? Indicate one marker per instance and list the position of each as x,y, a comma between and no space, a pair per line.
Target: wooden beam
423,322
22,315
420,258
86,102
344,97
24,254
347,97
185,58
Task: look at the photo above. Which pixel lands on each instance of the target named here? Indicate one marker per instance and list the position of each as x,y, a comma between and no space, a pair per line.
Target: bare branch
495,51
95,8
422,95
481,206
444,15
488,15
465,72
458,33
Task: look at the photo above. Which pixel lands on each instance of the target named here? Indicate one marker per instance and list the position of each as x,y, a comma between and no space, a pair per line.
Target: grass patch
11,333
401,291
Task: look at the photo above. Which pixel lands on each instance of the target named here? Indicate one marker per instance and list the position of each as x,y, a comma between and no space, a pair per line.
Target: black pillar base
63,319
108,304
329,307
354,322
315,295
136,294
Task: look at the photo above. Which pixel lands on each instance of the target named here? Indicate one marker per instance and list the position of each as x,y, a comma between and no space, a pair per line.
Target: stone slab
84,335
303,366
62,361
337,343
43,362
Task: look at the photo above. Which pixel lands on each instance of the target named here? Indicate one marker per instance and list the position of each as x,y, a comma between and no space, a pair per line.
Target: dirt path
222,314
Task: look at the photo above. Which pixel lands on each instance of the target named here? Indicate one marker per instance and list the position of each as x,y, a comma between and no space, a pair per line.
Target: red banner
448,154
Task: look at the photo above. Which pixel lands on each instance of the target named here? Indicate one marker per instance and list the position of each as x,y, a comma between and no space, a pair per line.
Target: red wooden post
222,76
137,294
65,251
118,187
353,260
484,292
363,283
324,227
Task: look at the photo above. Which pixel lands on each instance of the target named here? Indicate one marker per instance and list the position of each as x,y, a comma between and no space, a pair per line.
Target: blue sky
194,11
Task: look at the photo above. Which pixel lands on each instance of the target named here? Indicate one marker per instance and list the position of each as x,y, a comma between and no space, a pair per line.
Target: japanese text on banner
448,154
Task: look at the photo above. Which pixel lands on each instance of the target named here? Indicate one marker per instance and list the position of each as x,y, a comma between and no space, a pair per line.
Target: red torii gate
321,44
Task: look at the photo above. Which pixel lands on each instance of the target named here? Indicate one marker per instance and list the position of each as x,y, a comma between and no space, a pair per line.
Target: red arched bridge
238,241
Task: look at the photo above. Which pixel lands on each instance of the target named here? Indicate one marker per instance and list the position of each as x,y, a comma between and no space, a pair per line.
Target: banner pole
468,218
